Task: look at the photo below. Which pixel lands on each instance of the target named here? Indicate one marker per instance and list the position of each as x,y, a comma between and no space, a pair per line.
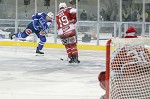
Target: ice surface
23,75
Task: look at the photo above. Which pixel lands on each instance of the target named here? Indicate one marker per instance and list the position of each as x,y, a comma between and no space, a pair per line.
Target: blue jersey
39,21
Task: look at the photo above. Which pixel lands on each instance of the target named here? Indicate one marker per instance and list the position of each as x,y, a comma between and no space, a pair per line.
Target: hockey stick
58,57
62,59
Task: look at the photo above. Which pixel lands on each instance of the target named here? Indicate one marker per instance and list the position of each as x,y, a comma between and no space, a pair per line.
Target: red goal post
128,68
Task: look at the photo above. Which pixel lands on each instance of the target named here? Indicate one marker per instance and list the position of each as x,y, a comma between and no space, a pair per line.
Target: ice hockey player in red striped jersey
66,19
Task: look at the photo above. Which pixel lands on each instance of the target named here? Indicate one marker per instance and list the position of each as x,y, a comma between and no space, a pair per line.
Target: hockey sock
74,49
40,45
42,42
21,35
68,50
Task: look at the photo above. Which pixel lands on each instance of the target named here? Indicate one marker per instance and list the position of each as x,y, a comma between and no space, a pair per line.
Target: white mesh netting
130,71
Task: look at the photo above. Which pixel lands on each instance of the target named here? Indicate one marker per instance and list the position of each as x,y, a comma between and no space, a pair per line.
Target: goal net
128,68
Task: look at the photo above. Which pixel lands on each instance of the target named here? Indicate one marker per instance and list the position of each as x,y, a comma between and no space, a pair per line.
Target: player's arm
73,21
35,19
57,20
35,22
73,12
44,24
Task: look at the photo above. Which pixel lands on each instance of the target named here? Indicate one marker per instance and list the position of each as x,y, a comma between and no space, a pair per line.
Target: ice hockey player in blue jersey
41,22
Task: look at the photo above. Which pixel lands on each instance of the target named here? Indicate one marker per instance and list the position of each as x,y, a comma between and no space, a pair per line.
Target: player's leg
23,34
68,49
73,45
69,39
69,53
41,44
74,51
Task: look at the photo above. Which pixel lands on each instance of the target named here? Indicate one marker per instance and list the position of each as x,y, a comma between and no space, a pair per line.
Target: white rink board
26,76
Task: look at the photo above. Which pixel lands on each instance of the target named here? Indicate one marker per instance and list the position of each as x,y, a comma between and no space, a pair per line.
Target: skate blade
77,62
39,55
74,63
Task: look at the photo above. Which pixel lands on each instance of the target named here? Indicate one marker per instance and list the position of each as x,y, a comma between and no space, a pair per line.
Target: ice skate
12,37
71,60
75,59
39,52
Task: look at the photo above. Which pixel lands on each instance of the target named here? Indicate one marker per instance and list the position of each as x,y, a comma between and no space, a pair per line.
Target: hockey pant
68,34
27,32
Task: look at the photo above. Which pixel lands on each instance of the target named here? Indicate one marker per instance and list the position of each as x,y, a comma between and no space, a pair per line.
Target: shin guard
68,50
74,49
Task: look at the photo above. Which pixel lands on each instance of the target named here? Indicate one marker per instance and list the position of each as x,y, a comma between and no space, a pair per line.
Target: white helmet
62,5
50,14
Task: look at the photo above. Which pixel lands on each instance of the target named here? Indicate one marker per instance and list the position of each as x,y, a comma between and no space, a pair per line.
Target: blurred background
97,19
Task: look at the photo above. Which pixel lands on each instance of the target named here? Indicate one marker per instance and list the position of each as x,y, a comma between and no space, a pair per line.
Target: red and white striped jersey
64,18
